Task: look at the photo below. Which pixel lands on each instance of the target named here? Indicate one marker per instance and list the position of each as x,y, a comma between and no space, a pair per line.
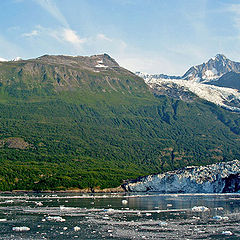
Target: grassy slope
86,137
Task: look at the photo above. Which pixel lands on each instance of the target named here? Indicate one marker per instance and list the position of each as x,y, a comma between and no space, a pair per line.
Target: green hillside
80,122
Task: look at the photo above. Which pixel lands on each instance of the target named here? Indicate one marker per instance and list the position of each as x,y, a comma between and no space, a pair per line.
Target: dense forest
64,127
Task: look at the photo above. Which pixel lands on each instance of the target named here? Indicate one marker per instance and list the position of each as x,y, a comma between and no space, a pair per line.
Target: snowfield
221,96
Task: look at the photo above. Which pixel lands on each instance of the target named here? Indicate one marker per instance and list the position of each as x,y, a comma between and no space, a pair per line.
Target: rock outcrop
221,177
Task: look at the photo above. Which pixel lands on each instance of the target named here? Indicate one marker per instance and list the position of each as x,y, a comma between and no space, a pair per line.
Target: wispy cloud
52,8
62,34
101,36
33,33
71,36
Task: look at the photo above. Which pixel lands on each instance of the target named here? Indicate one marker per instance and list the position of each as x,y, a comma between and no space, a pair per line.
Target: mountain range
73,122
217,81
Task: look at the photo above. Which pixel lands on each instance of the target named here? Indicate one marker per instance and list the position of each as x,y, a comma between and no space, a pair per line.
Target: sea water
119,216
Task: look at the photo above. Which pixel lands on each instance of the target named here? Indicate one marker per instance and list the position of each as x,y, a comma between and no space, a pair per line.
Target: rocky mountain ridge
206,72
221,177
51,74
216,81
212,70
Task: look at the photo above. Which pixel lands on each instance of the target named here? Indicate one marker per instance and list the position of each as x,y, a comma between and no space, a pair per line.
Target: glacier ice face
215,178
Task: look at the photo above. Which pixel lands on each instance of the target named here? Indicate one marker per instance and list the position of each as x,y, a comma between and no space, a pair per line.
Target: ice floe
227,233
21,229
219,218
55,219
200,209
76,228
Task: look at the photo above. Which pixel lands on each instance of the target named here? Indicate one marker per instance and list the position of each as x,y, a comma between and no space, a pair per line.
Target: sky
152,36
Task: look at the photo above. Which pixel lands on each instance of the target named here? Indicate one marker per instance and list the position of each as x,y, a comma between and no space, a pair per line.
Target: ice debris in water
55,219
39,204
20,229
219,208
200,209
219,218
108,210
76,228
228,233
124,201
163,224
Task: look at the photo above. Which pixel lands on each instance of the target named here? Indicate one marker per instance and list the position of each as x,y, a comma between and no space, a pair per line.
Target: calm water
99,216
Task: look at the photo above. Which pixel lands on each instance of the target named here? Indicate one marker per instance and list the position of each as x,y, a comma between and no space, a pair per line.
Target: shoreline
85,190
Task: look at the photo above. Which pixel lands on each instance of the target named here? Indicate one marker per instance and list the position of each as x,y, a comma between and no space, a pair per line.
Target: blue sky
154,36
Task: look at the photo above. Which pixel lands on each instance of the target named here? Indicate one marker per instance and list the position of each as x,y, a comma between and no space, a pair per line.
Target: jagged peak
219,56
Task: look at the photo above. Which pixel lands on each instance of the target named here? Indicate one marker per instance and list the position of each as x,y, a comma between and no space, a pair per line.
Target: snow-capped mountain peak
212,70
200,81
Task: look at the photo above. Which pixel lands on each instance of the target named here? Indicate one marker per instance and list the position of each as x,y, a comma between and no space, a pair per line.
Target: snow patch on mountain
219,95
17,59
210,74
226,97
3,60
101,64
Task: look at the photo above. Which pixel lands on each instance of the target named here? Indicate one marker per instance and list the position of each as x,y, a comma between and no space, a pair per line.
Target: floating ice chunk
124,202
55,219
109,210
39,204
20,229
76,228
228,233
219,208
219,218
62,208
200,209
163,223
